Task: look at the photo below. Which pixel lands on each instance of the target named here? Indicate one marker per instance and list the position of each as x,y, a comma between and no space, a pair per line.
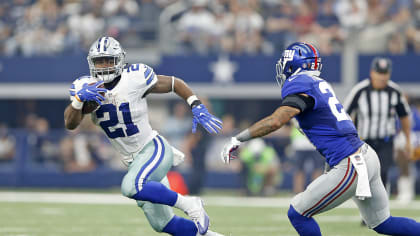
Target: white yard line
113,198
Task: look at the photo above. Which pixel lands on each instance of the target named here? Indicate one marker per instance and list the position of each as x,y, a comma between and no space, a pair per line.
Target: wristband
173,83
76,104
244,136
191,99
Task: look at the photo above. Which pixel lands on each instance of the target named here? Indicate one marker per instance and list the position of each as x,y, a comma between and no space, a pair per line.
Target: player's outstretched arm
261,128
166,84
72,117
291,105
201,115
269,124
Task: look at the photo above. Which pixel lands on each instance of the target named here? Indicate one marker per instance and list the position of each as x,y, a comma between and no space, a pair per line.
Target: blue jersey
326,125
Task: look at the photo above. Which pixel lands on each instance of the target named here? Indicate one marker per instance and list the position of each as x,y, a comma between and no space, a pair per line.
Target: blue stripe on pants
145,165
150,161
326,202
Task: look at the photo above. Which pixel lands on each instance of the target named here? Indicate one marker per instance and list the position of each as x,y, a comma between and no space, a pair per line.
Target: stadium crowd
47,27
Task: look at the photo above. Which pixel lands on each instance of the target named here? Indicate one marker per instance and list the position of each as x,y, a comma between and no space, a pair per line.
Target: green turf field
51,219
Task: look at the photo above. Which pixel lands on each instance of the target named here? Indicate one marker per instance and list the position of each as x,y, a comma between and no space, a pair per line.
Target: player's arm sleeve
299,101
299,93
150,80
402,108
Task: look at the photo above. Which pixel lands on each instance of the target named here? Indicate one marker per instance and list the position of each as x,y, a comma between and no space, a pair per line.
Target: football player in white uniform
122,115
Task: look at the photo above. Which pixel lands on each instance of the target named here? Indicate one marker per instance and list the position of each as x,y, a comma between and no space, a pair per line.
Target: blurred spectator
397,43
43,144
119,15
399,11
88,23
416,130
377,12
413,31
197,145
351,13
304,19
279,25
178,125
86,149
406,180
148,25
49,27
248,25
7,144
325,30
212,157
195,27
223,31
306,159
260,168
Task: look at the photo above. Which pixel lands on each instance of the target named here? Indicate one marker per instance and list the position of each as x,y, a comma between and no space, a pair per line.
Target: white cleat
199,216
211,233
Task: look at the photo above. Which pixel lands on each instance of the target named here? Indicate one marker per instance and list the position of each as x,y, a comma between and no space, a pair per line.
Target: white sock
183,203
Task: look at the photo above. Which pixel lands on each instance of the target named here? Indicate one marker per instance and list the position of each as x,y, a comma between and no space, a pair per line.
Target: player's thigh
374,210
328,190
158,215
151,164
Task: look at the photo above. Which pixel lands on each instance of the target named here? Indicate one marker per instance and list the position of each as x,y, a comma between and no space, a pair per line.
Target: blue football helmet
297,57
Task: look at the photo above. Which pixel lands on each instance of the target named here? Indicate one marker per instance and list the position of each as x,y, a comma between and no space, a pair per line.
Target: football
90,106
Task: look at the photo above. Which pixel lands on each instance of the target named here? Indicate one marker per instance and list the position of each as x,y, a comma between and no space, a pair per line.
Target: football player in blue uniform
354,170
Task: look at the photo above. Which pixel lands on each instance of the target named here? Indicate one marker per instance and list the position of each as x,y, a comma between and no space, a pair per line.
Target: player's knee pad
127,187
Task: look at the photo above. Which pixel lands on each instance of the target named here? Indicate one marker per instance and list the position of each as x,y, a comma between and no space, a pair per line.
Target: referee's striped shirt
376,110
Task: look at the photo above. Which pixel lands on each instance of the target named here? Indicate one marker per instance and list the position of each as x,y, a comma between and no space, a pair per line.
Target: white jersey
123,115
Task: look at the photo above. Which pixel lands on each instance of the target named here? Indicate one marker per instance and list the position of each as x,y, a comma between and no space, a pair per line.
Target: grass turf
52,219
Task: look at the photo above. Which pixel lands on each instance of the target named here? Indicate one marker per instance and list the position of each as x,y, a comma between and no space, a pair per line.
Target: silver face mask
106,50
280,77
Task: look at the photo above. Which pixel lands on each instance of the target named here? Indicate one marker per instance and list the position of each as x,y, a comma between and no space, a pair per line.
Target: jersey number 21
335,106
111,109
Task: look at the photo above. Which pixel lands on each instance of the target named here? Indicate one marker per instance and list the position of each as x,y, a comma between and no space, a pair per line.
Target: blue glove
91,93
211,123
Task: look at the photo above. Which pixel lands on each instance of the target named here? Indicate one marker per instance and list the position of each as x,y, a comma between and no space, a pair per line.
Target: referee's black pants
385,150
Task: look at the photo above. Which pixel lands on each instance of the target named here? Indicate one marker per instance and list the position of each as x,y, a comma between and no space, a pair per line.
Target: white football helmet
108,50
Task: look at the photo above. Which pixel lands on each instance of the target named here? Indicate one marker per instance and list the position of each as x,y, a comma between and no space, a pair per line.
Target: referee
374,104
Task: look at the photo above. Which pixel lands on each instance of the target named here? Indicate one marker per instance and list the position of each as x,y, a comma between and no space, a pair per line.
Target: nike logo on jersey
292,78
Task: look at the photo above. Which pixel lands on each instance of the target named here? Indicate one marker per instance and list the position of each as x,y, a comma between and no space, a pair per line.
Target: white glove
230,147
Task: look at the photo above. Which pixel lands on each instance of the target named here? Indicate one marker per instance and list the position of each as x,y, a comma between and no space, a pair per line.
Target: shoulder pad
141,72
297,84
